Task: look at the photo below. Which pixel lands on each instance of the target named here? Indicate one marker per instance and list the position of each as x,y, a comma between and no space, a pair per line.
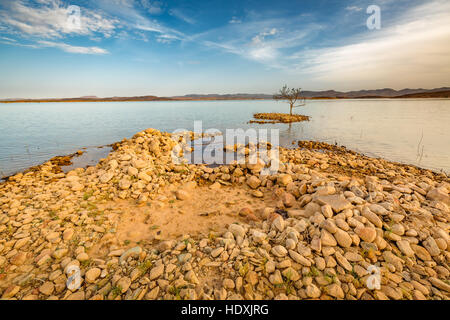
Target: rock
156,272
258,236
154,147
439,284
327,239
325,190
377,209
125,157
53,237
124,184
279,223
76,186
421,252
216,252
270,266
276,278
43,260
405,248
79,295
337,202
47,288
316,244
431,246
10,292
236,230
299,258
191,277
106,177
92,275
290,244
245,211
253,182
372,217
366,234
228,284
391,292
320,263
391,258
284,179
19,258
398,229
68,234
182,195
353,257
288,199
132,171
257,166
257,194
290,274
145,177
153,294
439,194
329,225
312,291
327,211
138,163
166,245
58,254
279,251
335,290
343,238
251,277
83,257
132,252
343,261
124,283
310,209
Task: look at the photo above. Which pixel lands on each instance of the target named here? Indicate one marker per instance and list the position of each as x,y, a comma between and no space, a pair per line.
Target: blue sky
166,48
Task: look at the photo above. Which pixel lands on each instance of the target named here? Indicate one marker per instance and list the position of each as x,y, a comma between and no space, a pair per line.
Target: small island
295,99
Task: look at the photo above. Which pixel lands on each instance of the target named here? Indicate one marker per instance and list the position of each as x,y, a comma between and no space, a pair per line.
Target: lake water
409,131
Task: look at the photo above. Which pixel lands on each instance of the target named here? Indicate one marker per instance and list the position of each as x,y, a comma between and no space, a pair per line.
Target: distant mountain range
443,92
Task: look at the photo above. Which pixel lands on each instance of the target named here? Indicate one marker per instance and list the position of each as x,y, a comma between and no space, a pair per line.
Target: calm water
410,131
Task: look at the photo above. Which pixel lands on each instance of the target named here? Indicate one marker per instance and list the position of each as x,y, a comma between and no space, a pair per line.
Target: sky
56,48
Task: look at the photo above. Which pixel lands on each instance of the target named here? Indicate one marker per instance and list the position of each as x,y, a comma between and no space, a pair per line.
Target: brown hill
437,94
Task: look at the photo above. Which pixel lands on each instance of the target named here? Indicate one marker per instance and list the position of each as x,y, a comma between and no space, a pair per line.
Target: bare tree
292,95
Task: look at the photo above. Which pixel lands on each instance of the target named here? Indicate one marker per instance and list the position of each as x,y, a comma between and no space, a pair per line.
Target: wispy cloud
51,20
182,16
73,49
412,51
260,39
353,8
235,20
132,18
153,7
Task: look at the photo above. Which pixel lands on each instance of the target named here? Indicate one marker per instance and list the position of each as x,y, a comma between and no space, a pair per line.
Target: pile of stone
329,236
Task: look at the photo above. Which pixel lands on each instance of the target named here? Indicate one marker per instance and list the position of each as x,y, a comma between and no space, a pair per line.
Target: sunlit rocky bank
139,226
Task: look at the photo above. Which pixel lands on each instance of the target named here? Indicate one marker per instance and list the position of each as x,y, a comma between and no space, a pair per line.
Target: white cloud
353,8
166,38
73,49
182,16
51,20
235,20
153,7
412,52
259,38
132,18
8,39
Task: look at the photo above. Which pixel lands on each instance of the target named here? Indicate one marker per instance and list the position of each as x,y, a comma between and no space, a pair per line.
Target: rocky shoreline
138,226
